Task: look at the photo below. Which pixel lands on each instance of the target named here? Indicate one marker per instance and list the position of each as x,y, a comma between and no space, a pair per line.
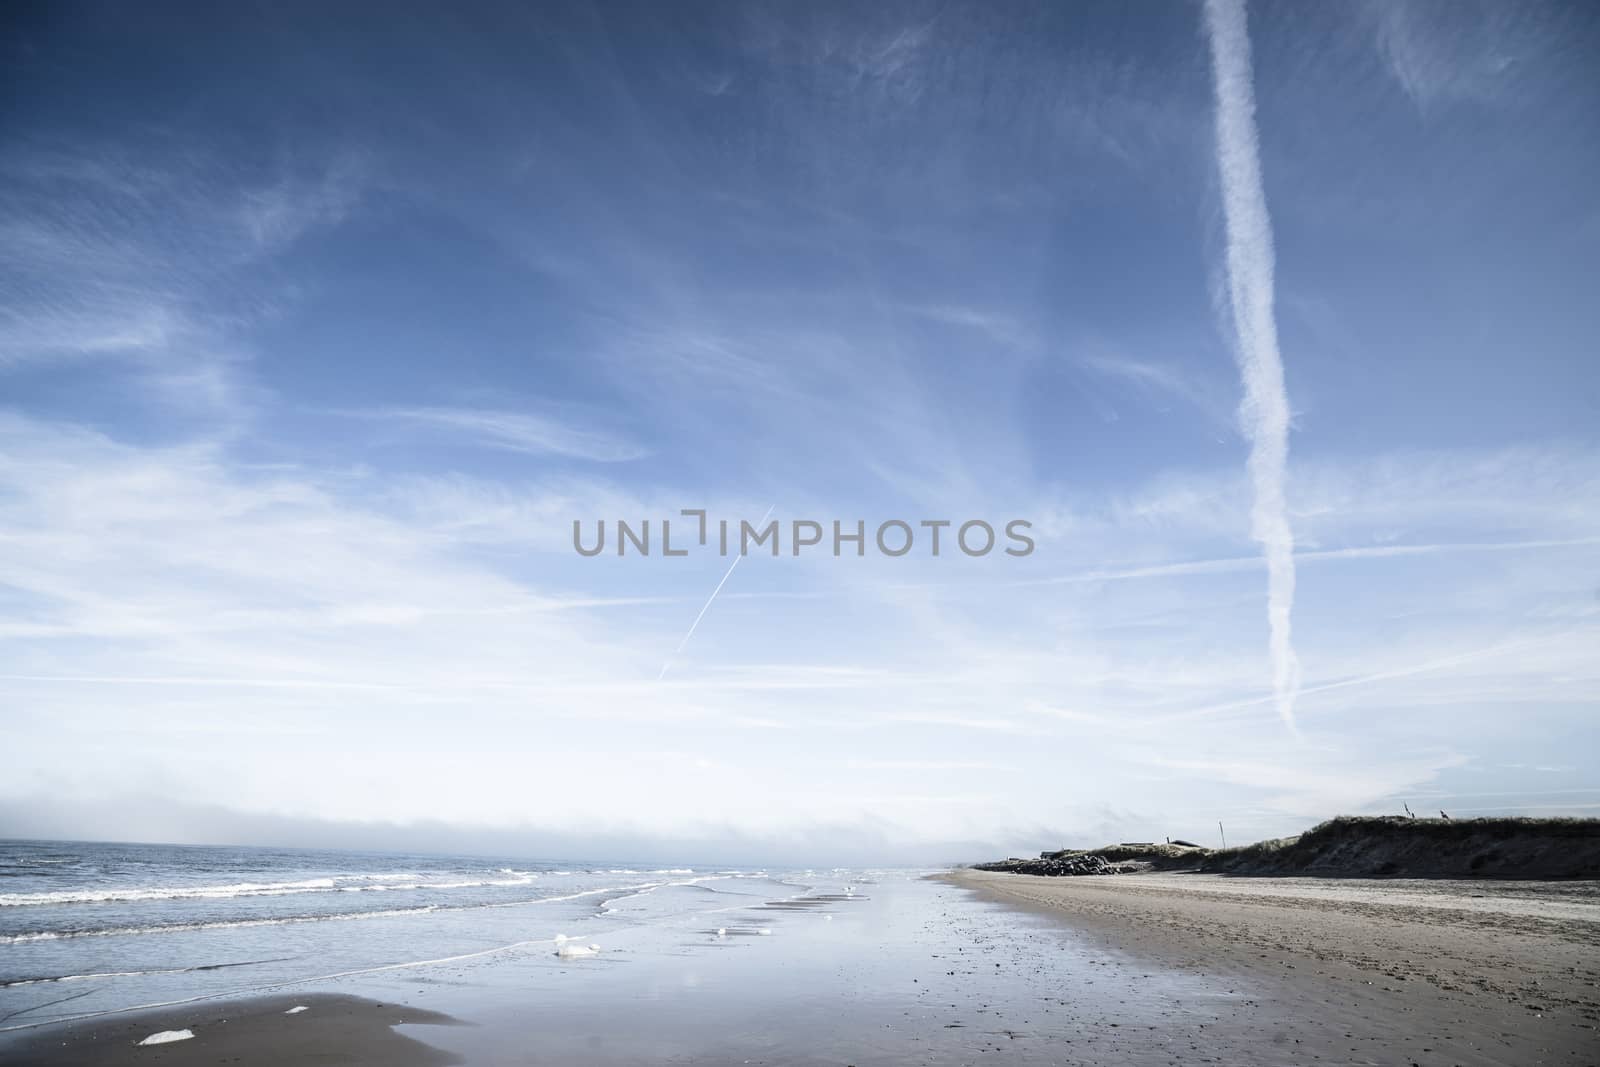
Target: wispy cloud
152,263
1165,385
512,431
275,214
924,765
156,585
1311,783
999,328
1472,50
1472,656
1138,371
1233,564
1265,411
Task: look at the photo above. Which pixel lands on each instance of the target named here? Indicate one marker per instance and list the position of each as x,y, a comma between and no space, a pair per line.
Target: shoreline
1445,972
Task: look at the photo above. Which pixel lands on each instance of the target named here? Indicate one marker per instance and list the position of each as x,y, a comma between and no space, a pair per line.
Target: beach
1367,971
270,957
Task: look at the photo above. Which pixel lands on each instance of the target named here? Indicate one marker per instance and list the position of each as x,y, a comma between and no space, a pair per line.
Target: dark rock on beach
1057,865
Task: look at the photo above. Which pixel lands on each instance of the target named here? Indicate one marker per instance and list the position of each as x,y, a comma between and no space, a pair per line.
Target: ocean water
90,928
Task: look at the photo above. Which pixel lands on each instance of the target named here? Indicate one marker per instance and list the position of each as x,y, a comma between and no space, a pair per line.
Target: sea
88,929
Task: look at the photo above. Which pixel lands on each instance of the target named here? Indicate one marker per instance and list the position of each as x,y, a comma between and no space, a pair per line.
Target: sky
320,328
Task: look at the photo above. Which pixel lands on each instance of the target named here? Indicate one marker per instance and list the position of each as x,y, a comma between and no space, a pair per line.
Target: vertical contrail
707,605
1264,412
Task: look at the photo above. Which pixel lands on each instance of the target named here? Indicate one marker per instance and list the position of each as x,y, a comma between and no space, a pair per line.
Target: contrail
1264,413
707,606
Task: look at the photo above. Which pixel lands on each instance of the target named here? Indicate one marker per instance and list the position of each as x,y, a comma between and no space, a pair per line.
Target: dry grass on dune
1364,846
1397,846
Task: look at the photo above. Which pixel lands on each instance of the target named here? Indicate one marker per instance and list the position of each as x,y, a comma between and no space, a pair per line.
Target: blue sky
319,329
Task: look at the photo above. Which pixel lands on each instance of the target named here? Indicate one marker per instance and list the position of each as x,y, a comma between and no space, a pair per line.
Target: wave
361,883
286,920
98,896
220,924
137,974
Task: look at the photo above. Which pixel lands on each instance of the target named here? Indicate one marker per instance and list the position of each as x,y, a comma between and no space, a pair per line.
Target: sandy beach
1350,970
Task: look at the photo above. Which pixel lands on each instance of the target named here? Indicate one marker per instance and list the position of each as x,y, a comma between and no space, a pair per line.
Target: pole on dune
1223,832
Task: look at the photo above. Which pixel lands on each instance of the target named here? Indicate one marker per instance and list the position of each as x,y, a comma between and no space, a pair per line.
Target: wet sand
1424,972
251,1033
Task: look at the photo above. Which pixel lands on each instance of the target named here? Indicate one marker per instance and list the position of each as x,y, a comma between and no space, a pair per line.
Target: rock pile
1056,865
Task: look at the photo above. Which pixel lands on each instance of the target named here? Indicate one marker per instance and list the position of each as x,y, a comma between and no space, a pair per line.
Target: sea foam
167,1037
567,948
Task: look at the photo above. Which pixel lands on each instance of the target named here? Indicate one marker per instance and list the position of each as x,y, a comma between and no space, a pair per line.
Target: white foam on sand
296,1010
567,948
166,1037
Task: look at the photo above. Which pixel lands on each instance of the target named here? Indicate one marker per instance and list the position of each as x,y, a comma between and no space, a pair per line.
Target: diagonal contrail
1264,413
707,605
